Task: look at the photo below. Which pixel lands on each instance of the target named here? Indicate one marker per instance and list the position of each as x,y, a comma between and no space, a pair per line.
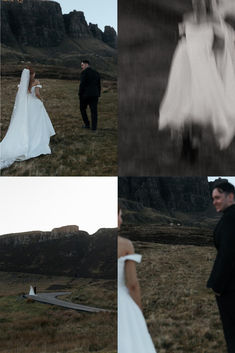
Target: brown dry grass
31,327
75,151
181,312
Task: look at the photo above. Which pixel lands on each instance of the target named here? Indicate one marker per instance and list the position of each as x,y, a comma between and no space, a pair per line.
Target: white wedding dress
200,88
133,335
30,127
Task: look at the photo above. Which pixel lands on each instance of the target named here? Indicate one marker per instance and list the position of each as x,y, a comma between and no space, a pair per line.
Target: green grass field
31,327
75,151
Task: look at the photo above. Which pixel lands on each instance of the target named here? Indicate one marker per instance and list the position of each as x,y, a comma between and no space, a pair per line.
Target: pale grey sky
101,12
43,203
230,179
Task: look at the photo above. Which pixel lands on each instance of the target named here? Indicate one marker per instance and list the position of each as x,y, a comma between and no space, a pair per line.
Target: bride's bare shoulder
125,245
36,82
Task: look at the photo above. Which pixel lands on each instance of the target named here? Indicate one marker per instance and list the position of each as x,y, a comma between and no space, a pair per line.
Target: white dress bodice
133,335
201,83
199,35
121,268
33,89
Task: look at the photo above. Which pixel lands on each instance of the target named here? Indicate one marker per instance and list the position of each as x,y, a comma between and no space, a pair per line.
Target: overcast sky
101,12
42,203
230,179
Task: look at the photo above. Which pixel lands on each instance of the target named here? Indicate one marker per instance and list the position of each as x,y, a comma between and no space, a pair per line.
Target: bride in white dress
201,85
133,335
30,127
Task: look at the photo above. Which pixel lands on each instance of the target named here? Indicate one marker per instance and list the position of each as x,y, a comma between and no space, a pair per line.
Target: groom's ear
231,197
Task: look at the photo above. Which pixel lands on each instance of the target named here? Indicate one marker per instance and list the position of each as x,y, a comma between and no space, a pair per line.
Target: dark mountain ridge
168,209
169,195
38,32
67,252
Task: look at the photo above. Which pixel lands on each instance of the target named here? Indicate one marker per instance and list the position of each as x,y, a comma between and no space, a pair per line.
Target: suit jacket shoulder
90,85
222,277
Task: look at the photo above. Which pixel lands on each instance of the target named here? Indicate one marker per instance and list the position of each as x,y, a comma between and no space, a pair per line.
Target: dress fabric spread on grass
30,127
201,86
133,335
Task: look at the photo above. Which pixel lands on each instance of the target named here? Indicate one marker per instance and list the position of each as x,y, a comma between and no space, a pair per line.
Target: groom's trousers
92,102
226,305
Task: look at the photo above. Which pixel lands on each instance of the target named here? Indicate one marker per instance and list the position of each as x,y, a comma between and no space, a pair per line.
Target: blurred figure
201,85
133,335
222,277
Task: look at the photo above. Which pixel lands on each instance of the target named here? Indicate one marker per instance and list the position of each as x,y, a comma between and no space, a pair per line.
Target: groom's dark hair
225,187
85,62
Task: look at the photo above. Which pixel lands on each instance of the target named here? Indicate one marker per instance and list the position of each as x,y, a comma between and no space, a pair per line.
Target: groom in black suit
89,93
222,278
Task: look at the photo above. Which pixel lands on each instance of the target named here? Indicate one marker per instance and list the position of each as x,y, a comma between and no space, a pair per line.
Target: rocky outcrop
40,23
96,32
169,210
167,194
60,40
110,36
65,230
61,253
32,23
76,25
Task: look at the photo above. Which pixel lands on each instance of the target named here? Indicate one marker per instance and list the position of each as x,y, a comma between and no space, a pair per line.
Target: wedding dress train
133,335
200,88
30,127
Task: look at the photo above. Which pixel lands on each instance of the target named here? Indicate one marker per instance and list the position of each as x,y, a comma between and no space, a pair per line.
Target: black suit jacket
89,83
222,278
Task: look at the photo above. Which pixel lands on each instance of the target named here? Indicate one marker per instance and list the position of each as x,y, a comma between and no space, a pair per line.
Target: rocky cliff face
36,31
32,23
96,32
39,23
71,253
167,194
76,25
65,230
110,37
171,210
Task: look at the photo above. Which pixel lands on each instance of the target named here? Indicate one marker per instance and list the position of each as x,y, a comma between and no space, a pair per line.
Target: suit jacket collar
228,209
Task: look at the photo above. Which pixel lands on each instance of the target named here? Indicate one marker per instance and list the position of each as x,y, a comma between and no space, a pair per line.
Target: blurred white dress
200,88
133,335
30,127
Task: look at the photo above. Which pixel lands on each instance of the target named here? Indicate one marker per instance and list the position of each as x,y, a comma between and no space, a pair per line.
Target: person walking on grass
89,93
30,129
222,277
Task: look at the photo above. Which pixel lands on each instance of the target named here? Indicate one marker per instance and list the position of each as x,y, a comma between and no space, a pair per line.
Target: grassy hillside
181,312
169,234
28,326
75,151
62,60
134,215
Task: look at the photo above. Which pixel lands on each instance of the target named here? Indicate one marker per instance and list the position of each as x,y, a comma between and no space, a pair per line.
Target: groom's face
84,66
221,200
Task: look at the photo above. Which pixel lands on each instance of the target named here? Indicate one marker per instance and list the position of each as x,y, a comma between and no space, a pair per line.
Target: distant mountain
64,251
168,210
37,31
166,200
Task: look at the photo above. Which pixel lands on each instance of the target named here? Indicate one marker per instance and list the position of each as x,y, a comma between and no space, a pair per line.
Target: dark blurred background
148,35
